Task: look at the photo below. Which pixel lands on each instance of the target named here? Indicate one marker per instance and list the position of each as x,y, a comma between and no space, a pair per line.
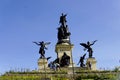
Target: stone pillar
42,63
91,63
64,47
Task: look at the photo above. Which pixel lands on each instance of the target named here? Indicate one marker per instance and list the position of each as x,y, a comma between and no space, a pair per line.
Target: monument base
91,63
42,63
64,48
64,41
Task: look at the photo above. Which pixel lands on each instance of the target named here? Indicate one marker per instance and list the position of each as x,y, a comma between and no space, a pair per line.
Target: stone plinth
42,63
64,47
91,63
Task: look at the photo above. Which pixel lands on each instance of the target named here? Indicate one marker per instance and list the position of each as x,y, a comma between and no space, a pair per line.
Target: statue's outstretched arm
36,43
93,42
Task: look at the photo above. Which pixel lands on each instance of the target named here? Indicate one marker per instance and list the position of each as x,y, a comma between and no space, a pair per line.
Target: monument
91,61
42,61
64,47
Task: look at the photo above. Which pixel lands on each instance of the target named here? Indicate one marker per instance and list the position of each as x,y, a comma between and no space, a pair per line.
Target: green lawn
80,75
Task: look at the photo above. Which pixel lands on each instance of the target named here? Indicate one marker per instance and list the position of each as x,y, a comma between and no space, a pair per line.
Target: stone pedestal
91,63
64,47
42,63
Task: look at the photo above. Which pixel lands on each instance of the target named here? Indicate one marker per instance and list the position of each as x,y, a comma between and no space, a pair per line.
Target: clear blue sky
24,21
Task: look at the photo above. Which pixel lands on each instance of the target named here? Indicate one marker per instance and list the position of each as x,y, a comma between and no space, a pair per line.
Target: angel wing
84,45
47,43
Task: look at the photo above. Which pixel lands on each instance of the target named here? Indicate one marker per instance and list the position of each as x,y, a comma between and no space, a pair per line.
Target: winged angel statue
87,46
42,45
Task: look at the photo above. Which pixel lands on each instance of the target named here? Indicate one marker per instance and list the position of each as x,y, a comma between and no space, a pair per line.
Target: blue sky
24,21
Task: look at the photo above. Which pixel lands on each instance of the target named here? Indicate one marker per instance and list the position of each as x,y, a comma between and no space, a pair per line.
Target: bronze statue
81,61
63,19
63,32
42,48
65,60
88,47
60,33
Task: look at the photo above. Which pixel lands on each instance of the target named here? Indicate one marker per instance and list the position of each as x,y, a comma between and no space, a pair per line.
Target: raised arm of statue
93,43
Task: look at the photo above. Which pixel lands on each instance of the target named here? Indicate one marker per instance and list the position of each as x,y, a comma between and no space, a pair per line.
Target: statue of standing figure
63,32
88,47
63,19
42,45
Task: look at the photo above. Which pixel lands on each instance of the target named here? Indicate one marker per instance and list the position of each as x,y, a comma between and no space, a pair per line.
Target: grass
62,75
